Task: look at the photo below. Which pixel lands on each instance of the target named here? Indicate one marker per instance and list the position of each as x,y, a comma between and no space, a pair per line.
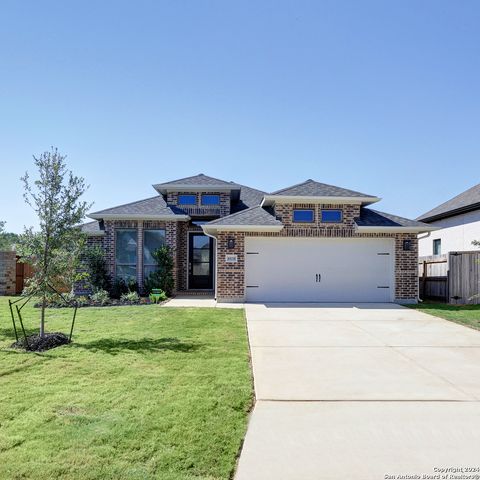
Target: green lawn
143,393
468,315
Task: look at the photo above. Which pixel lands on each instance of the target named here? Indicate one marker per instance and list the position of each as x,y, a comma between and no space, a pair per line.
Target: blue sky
376,96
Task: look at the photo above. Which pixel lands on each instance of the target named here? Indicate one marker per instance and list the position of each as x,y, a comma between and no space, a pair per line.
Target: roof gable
311,188
465,201
197,180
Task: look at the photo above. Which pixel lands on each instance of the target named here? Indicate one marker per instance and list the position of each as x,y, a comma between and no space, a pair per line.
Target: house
458,223
310,242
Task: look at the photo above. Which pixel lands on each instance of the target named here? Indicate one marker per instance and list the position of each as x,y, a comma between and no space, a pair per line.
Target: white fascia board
212,229
190,188
112,216
269,200
396,229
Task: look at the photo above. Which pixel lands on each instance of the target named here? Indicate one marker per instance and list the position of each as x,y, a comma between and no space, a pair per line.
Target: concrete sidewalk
359,391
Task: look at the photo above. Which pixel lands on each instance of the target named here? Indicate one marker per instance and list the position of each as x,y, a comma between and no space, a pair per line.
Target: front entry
200,262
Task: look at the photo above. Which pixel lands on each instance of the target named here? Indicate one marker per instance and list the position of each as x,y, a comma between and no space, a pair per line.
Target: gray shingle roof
257,216
249,197
93,228
465,201
199,179
374,218
149,206
311,188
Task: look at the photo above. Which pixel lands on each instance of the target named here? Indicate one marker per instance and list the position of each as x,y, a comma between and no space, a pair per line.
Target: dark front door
200,261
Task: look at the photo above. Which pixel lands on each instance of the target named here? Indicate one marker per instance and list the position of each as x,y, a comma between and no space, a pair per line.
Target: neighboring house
311,242
458,221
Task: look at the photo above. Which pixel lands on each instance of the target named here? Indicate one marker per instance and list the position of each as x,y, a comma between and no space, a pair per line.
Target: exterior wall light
231,243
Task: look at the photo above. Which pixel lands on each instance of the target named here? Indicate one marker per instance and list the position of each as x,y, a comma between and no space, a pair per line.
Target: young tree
54,250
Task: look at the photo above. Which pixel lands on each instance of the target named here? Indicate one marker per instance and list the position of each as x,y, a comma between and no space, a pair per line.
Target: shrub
119,287
162,277
96,265
100,296
130,297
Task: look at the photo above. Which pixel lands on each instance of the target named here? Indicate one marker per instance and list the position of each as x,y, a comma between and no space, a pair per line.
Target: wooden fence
464,277
23,272
452,278
433,273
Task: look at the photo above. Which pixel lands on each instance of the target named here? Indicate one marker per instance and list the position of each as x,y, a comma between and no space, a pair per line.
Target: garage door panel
319,270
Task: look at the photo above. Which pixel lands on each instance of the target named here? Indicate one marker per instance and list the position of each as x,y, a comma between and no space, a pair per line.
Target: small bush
96,265
162,277
100,296
119,287
130,297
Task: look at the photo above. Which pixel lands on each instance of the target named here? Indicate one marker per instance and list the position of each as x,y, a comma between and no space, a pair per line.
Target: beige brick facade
8,266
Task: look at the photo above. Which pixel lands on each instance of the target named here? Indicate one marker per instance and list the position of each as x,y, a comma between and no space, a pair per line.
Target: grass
143,393
467,315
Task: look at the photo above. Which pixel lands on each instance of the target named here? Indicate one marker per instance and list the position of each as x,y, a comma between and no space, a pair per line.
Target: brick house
311,242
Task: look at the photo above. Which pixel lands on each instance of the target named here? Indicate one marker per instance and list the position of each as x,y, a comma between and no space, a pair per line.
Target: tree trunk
42,316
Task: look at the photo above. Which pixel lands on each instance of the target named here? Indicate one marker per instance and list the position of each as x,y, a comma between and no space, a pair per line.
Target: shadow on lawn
142,345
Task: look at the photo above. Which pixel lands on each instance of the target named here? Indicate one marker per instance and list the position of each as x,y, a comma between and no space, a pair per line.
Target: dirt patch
35,343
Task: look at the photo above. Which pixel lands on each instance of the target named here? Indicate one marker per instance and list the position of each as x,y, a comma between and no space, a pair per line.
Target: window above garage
303,216
331,216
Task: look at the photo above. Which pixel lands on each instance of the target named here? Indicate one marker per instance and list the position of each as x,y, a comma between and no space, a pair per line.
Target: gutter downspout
427,234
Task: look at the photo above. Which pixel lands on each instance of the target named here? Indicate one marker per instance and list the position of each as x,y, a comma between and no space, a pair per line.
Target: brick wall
8,266
406,268
202,210
284,212
230,276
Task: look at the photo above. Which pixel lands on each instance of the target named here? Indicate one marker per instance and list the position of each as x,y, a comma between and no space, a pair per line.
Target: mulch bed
40,344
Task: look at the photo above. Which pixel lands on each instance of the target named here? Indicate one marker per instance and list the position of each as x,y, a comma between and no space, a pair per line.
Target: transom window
152,240
210,199
303,216
331,216
437,247
187,199
126,254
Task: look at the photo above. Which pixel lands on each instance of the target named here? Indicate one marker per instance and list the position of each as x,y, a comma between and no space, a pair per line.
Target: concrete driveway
360,391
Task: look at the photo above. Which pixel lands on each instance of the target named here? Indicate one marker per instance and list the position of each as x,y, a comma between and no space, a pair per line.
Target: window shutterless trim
211,196
185,195
331,210
303,210
143,246
123,264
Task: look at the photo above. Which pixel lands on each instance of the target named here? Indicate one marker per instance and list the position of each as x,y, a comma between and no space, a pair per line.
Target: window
303,216
187,199
437,247
331,216
126,254
152,240
210,199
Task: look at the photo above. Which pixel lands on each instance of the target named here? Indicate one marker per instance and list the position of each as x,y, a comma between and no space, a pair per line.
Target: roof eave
269,200
399,229
450,213
185,187
111,216
94,234
212,229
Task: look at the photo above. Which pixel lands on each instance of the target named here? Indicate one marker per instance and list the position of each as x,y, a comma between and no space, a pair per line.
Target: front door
200,261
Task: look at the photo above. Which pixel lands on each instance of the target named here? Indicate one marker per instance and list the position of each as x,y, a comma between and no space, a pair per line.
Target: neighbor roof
465,202
375,219
154,208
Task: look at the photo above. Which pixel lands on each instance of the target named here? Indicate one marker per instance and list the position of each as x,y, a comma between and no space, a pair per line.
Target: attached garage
319,269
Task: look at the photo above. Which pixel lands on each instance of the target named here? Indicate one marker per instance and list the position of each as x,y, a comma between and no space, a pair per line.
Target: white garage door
319,269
